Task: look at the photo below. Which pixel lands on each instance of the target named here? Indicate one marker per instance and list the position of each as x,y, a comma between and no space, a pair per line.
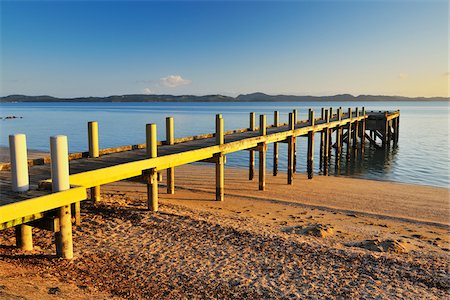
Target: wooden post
355,129
276,117
330,136
338,140
262,154
291,143
60,182
326,143
341,113
93,153
389,137
310,159
152,174
295,114
363,128
385,141
24,237
169,141
20,183
19,163
349,134
220,160
251,167
322,140
397,127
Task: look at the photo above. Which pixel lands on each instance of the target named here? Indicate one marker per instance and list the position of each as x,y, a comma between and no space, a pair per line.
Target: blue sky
71,49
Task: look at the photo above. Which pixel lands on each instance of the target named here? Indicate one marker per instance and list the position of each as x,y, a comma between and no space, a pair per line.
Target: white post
20,183
19,162
152,174
94,152
60,182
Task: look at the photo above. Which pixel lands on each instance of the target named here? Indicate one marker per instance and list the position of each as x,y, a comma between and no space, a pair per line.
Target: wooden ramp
89,170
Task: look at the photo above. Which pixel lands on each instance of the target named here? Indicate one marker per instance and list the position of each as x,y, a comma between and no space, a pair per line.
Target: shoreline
38,154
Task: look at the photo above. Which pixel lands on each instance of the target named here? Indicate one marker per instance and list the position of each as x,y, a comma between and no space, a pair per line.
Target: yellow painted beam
38,205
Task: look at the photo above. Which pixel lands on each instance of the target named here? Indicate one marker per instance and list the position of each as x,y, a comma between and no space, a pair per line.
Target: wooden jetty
51,199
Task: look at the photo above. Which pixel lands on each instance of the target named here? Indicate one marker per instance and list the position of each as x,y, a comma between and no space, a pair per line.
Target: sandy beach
31,154
326,238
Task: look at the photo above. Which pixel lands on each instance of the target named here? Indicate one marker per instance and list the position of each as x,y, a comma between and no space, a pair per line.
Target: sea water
421,156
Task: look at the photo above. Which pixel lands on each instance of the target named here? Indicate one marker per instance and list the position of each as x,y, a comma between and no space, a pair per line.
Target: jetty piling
294,167
60,182
20,183
326,133
276,117
355,129
310,154
349,134
341,115
262,153
220,160
330,137
169,141
151,175
291,145
322,140
251,167
19,163
58,211
338,143
93,149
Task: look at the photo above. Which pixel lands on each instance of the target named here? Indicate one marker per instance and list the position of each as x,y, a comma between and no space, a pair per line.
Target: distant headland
254,97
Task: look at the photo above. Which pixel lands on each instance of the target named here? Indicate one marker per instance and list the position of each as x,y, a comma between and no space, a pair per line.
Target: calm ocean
422,155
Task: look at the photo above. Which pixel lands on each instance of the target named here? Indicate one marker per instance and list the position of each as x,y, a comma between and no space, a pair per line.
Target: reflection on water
372,162
422,154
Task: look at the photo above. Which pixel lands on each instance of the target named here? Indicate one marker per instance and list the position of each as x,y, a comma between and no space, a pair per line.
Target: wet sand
330,237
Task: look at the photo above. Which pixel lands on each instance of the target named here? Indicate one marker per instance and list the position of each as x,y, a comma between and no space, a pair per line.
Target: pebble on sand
382,246
318,230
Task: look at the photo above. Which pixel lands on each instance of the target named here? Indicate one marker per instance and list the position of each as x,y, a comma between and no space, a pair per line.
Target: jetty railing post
220,160
93,153
169,141
295,116
341,127
338,139
363,131
330,136
60,182
20,183
291,143
397,126
389,137
262,154
276,117
310,159
322,139
251,166
19,163
355,129
152,174
385,141
326,143
349,133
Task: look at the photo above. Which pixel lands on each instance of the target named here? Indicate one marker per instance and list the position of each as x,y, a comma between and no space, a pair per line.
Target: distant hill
254,97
